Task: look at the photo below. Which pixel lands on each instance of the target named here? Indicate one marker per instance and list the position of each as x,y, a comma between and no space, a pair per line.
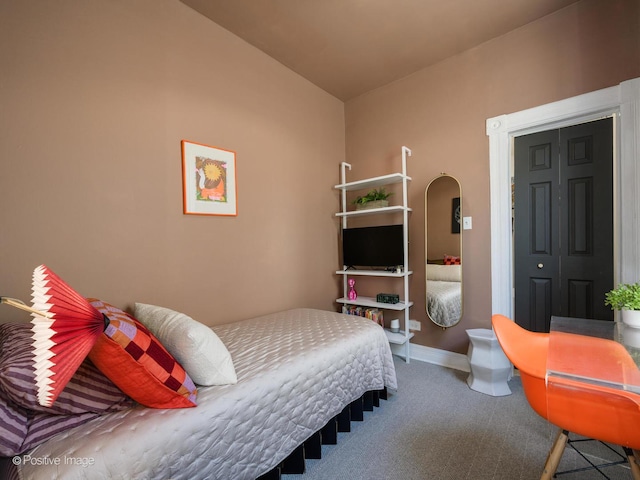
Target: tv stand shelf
372,273
403,337
371,302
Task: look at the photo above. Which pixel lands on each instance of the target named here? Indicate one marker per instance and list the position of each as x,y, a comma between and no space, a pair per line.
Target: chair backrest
604,407
528,352
594,411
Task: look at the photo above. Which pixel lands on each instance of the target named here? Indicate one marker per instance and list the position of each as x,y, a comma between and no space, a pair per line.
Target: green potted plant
376,198
626,298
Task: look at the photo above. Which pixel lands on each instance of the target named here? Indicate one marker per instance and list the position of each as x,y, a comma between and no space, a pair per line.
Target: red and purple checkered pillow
134,359
451,260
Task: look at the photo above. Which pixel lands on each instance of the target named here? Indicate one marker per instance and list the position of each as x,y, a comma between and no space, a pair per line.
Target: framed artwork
455,215
208,180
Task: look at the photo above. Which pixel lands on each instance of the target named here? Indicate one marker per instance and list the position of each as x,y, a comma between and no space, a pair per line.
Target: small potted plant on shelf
626,298
376,198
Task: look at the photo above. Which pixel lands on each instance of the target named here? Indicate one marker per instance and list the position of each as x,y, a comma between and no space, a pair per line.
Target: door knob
540,265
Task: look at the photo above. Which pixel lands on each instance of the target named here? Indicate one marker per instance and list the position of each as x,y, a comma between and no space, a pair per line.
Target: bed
296,371
444,294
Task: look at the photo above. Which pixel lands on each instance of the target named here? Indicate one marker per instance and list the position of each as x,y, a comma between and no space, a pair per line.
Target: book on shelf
370,313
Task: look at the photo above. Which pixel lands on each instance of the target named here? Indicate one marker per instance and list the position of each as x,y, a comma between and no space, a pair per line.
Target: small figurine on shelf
352,295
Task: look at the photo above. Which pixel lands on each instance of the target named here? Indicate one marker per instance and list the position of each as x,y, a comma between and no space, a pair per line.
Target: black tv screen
381,246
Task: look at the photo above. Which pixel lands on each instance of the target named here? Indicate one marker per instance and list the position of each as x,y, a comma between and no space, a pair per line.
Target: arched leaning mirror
443,250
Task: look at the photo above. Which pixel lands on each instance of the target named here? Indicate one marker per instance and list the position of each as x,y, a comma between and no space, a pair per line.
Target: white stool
490,367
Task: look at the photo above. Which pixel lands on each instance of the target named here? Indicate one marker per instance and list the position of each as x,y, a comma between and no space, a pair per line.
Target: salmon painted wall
95,98
440,113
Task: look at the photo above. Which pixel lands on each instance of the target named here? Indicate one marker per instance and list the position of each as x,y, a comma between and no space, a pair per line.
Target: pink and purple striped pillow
24,423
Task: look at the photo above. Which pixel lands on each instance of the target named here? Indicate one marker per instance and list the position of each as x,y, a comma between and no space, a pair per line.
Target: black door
563,224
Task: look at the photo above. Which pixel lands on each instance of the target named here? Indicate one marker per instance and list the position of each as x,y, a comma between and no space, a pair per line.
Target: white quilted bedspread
296,370
444,302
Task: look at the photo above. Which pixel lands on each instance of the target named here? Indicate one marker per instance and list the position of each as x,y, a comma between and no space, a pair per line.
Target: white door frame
623,103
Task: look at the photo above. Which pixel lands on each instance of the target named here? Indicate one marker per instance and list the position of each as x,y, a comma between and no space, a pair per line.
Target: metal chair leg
555,454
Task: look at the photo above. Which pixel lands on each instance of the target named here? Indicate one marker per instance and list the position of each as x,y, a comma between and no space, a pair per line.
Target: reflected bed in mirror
443,248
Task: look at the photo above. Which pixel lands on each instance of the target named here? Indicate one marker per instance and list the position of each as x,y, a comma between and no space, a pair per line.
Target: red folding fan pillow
132,358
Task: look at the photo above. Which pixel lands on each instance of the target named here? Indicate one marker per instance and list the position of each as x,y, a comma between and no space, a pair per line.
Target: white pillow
196,347
444,273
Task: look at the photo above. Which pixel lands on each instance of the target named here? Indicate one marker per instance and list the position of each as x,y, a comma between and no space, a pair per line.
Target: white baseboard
436,356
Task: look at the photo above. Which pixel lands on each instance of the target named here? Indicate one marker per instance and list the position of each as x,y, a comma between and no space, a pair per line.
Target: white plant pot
630,336
631,318
372,204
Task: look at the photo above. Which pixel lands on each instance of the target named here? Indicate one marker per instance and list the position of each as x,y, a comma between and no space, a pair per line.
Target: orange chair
598,412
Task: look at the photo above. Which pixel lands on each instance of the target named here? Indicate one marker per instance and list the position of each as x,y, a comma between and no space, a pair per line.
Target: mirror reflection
443,249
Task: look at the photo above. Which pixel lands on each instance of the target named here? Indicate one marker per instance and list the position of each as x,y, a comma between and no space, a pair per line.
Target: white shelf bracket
343,177
343,171
406,152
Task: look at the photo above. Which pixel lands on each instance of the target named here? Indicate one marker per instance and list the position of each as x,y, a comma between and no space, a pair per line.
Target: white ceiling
349,47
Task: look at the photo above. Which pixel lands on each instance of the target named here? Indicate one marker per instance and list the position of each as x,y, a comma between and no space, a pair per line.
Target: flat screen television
374,247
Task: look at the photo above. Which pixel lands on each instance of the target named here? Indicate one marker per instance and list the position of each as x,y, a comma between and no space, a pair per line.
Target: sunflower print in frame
211,180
